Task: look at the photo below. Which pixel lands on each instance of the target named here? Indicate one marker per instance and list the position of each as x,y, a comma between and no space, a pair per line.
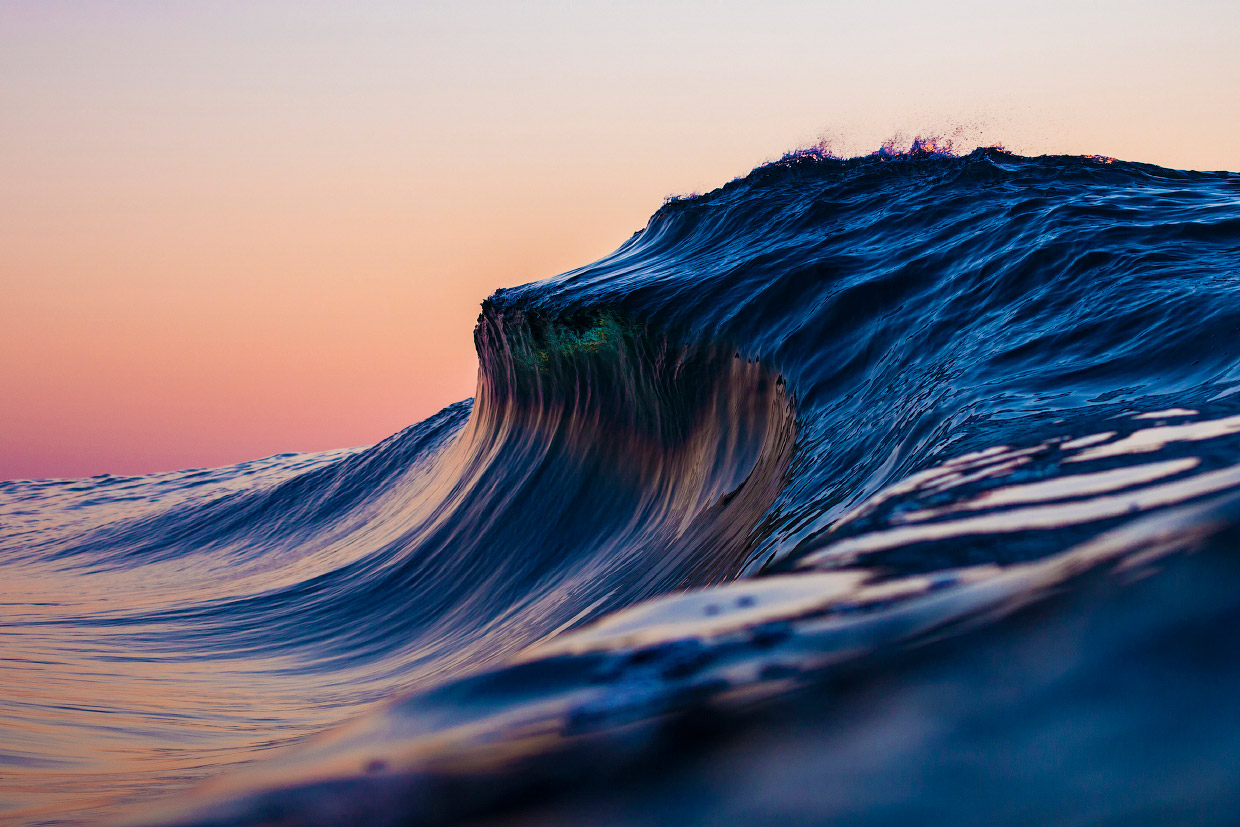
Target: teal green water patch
565,341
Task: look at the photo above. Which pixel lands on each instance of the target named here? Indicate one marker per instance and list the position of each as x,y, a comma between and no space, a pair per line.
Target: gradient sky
232,229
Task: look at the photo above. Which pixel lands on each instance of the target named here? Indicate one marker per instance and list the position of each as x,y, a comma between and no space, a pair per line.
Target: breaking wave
904,447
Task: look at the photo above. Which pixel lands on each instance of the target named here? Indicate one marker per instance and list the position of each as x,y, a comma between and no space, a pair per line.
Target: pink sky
235,229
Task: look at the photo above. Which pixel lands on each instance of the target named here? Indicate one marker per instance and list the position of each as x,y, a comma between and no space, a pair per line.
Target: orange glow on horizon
233,230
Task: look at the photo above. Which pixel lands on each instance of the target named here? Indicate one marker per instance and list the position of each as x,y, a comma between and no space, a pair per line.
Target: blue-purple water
900,489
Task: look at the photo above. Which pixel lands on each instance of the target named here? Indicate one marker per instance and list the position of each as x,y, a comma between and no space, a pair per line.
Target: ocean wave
841,419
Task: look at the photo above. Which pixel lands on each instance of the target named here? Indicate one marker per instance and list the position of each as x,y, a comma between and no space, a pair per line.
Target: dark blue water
899,488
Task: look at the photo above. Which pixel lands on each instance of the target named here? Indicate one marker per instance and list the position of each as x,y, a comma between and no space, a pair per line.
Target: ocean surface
895,489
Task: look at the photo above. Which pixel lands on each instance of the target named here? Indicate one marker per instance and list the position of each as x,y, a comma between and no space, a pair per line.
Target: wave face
847,473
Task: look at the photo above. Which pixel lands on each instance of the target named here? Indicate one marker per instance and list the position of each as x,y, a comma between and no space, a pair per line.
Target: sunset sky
233,229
